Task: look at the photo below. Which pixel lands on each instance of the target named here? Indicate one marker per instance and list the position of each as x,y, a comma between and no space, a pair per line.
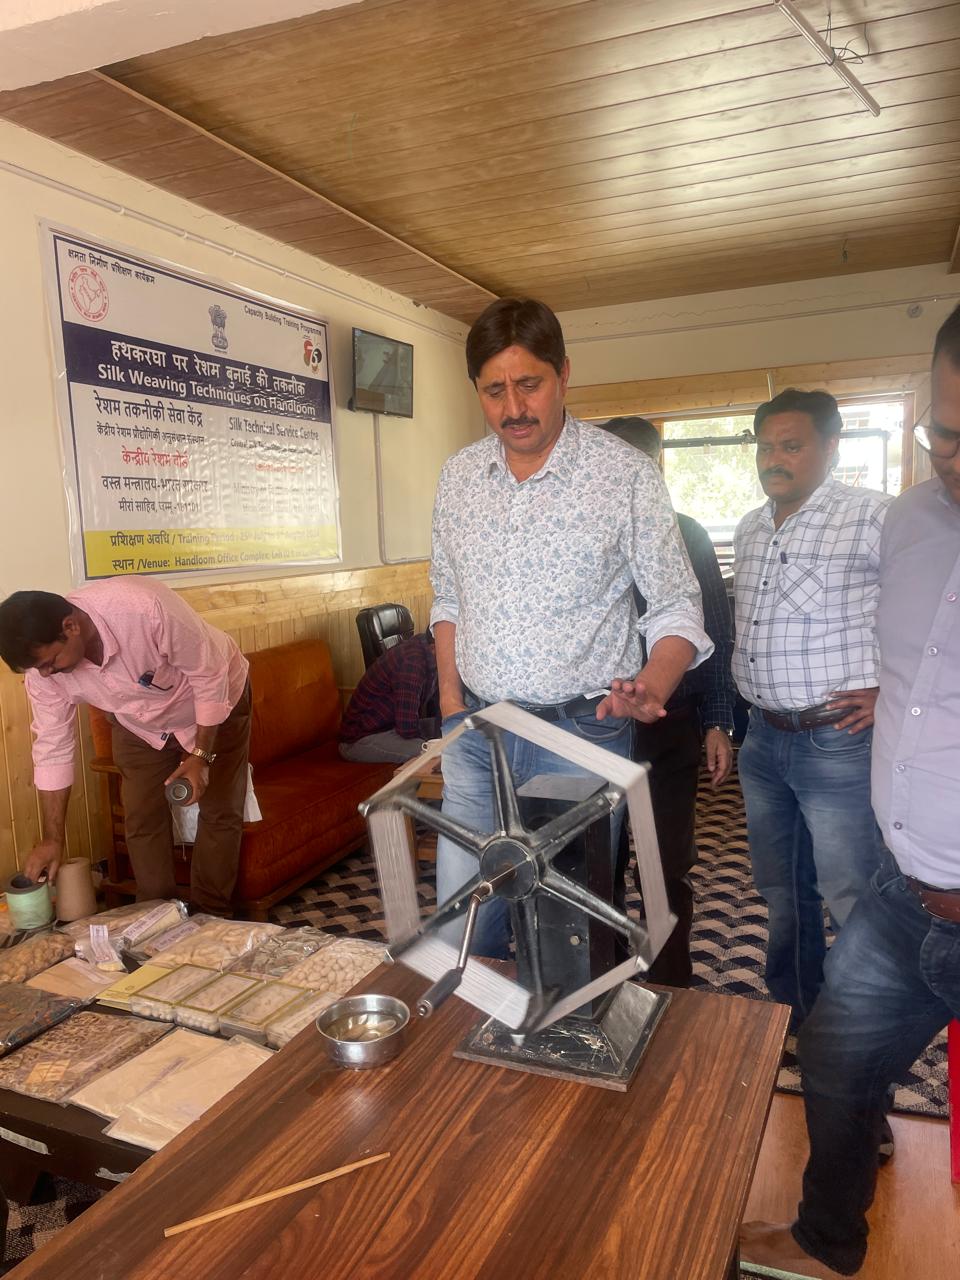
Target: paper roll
75,895
29,902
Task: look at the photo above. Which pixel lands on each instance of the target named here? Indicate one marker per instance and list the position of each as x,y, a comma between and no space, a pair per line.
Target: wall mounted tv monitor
382,374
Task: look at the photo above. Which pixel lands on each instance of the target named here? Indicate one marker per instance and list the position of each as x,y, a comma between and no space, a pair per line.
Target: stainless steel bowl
363,1031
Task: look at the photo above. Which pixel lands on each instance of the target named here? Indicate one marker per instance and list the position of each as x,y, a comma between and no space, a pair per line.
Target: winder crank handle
434,996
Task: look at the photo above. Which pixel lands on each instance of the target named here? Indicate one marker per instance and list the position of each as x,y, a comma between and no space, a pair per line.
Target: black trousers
672,747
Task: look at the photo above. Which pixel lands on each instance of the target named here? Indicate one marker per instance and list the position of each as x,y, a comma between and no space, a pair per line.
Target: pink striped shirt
164,671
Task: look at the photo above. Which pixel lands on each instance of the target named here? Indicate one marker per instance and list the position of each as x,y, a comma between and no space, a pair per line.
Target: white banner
197,419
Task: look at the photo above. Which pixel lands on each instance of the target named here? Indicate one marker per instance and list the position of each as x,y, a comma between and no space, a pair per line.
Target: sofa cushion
309,806
296,703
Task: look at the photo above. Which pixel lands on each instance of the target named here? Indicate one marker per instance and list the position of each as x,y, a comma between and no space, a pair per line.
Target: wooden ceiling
586,152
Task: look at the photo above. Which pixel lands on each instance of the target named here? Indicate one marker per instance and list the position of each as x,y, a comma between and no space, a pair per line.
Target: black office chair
381,627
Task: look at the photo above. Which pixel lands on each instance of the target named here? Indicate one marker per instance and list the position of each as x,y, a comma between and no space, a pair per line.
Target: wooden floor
915,1219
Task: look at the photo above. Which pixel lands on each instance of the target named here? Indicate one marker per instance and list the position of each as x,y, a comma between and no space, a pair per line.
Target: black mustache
520,422
776,471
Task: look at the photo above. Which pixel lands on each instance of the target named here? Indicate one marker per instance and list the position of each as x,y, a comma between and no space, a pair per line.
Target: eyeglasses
938,441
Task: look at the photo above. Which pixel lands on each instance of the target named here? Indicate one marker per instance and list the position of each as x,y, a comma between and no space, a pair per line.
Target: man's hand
719,751
196,772
47,856
632,698
861,703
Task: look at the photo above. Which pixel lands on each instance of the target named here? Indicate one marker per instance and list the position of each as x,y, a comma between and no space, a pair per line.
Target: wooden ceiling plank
738,229
367,26
640,149
797,183
629,129
766,173
656,389
675,164
693,217
462,43
381,120
585,40
774,268
834,240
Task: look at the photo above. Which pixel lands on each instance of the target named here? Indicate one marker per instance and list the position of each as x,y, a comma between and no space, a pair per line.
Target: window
710,469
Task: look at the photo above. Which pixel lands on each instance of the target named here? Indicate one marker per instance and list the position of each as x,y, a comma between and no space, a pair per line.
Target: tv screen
382,374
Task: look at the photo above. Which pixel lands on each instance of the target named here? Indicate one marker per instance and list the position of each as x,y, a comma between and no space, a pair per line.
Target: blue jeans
813,841
468,797
892,981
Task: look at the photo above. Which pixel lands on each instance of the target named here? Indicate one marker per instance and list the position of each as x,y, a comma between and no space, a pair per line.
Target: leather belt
566,710
807,718
942,903
555,711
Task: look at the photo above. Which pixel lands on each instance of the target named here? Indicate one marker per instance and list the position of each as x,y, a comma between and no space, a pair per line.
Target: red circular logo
88,292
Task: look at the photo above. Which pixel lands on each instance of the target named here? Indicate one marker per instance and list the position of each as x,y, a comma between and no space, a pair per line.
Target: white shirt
538,575
916,739
806,598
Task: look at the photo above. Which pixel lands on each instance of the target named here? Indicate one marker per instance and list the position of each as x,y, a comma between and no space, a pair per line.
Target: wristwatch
207,757
720,729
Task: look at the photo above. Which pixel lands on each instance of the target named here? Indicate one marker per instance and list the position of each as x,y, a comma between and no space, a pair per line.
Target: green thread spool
29,902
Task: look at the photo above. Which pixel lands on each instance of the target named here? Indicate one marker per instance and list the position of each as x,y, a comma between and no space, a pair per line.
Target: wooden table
493,1173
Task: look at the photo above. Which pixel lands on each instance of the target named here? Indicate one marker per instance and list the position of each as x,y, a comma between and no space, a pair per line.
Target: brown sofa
308,796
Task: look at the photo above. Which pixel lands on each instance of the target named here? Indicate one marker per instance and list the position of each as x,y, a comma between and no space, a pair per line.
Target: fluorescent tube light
828,55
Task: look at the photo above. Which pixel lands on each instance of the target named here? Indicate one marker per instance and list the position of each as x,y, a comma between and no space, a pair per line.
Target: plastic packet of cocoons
217,945
297,1016
62,1060
108,1094
33,955
338,967
158,1115
158,998
74,978
249,1015
278,954
126,926
146,949
202,1009
25,1012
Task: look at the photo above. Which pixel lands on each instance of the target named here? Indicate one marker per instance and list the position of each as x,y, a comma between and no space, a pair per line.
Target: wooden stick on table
271,1195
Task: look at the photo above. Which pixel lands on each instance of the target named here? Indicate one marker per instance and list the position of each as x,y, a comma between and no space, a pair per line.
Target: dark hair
29,619
521,322
947,341
819,406
639,432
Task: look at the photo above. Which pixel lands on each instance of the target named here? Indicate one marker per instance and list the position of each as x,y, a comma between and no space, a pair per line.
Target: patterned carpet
728,943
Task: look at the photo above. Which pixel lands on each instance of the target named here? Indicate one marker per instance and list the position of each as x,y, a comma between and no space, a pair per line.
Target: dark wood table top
493,1172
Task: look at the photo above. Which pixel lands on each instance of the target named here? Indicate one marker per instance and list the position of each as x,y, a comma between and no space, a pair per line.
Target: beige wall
33,520
809,322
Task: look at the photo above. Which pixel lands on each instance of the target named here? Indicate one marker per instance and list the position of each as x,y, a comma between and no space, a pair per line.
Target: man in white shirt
540,532
806,568
893,976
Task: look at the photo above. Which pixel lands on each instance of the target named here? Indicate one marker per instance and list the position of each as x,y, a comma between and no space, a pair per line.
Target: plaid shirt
398,692
806,598
712,682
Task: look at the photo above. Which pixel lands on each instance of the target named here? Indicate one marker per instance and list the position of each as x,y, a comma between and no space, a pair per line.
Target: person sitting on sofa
395,707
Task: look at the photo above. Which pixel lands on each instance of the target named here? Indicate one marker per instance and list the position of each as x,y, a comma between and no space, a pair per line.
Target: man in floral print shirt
541,530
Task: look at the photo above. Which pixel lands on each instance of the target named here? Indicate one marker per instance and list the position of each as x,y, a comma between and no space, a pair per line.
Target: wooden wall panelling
258,615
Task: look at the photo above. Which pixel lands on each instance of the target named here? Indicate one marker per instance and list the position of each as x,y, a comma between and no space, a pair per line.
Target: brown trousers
149,826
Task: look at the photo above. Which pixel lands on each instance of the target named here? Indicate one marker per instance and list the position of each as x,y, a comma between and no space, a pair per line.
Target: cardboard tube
75,895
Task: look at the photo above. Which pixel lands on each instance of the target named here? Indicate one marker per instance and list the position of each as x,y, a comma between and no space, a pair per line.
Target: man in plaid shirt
807,568
395,707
